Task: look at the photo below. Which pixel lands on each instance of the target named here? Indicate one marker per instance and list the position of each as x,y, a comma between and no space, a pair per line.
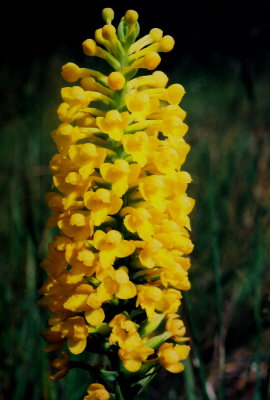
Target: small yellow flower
96,391
147,298
138,145
124,332
170,301
61,366
176,327
133,357
114,123
115,283
77,225
138,220
141,105
170,356
65,136
76,332
102,203
155,189
121,174
86,157
111,246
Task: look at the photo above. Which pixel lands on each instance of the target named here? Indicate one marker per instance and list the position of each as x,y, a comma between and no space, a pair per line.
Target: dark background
222,57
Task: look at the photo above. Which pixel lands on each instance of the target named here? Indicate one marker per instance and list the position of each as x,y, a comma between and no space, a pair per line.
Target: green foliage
227,310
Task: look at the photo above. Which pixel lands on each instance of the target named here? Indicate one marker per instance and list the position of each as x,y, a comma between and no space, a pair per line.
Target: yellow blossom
96,391
147,298
115,283
133,357
114,123
176,327
170,356
61,366
138,145
124,332
141,105
86,157
110,246
102,203
121,174
76,332
137,220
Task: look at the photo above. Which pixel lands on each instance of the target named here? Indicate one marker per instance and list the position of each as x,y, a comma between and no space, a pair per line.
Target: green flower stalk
119,263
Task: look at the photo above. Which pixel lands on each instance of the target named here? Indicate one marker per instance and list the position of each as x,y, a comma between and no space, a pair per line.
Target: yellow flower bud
151,60
108,15
131,17
89,47
108,32
156,34
96,391
116,80
166,44
71,72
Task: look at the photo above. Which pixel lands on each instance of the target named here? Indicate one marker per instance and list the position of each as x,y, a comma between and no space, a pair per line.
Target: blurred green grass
227,310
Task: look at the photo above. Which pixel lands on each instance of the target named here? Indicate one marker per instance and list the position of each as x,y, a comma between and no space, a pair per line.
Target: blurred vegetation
227,310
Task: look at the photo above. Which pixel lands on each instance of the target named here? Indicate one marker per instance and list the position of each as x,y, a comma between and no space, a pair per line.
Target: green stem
118,393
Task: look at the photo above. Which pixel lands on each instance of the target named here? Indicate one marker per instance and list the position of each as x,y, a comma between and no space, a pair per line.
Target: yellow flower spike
96,391
114,123
170,356
117,176
116,80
